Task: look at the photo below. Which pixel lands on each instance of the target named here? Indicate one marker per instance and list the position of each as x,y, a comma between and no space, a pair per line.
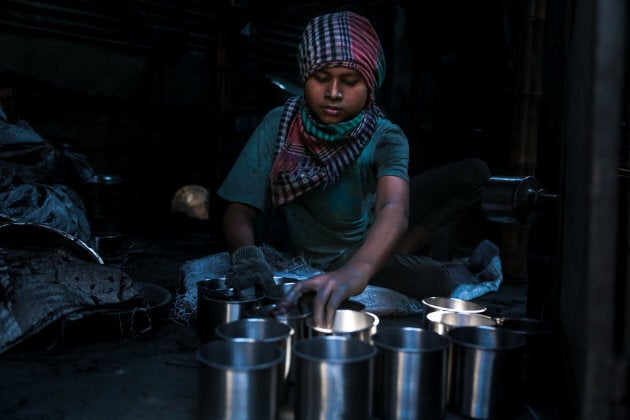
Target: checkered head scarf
343,39
309,153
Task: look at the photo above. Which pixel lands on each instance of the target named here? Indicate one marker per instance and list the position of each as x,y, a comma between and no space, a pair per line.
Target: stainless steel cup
410,374
486,367
437,303
442,321
218,304
294,318
266,330
348,323
334,378
238,380
542,357
279,291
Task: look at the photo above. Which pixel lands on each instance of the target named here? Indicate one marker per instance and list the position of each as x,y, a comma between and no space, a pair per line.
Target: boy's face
336,94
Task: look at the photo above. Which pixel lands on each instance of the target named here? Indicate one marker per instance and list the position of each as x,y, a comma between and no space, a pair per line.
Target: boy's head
343,39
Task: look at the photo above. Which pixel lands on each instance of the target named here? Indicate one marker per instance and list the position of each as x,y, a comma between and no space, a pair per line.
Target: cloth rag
379,300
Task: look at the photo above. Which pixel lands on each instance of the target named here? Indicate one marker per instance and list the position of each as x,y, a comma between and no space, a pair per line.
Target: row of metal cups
217,304
236,329
400,373
356,370
246,372
496,363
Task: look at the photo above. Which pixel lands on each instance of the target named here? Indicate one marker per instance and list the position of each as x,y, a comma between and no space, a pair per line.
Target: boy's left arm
392,213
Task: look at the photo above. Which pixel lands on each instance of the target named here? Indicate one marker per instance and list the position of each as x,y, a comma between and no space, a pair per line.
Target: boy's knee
477,170
480,167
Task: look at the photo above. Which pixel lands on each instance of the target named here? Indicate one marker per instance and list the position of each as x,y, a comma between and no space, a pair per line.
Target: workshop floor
93,372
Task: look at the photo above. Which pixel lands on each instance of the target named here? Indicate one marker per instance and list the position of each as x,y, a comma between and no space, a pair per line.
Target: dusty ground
91,371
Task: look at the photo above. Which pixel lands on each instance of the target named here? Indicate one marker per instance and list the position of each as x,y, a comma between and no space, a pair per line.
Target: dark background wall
165,93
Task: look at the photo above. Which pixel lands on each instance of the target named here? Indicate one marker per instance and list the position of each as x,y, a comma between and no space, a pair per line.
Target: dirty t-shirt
323,223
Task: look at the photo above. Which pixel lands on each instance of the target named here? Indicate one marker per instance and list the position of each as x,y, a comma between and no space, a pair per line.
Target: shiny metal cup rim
367,320
486,337
215,290
266,311
282,330
360,350
232,301
231,347
409,340
453,304
453,319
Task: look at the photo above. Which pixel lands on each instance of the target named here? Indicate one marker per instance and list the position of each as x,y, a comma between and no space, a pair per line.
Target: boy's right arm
238,226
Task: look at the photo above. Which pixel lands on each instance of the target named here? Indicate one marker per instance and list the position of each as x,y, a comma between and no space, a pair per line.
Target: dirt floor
97,369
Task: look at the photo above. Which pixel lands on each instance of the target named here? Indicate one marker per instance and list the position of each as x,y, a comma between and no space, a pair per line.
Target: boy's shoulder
385,125
272,117
274,113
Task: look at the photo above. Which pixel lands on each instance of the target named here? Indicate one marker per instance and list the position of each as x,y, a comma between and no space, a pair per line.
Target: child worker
338,168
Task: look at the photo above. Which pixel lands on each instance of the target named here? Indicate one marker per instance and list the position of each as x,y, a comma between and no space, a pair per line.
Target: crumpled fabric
387,302
40,287
56,206
380,301
217,265
20,132
486,280
36,179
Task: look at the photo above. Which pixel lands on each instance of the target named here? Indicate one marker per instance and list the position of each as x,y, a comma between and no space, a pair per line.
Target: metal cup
334,378
356,324
486,366
238,380
266,330
279,291
410,374
442,321
294,318
217,304
436,303
541,358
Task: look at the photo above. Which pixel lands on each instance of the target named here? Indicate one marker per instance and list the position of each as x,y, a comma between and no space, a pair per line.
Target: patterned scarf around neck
309,154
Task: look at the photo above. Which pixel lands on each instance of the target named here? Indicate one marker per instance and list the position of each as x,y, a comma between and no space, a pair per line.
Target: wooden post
524,140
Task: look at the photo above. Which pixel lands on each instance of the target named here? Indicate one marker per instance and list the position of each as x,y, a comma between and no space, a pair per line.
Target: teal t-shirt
324,222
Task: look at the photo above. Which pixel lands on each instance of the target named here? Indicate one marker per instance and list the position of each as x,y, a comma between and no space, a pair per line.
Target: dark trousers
439,199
